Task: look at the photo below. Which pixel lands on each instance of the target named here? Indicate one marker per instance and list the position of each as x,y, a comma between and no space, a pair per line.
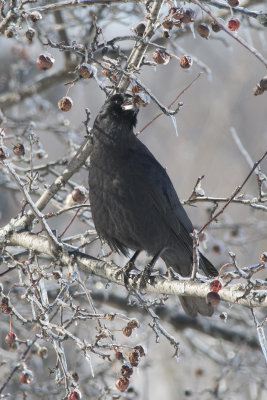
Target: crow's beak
128,105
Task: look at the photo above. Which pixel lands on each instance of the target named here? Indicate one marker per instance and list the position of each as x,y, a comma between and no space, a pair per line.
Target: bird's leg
144,276
125,271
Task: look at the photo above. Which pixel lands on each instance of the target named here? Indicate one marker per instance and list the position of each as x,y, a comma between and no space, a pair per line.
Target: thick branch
158,285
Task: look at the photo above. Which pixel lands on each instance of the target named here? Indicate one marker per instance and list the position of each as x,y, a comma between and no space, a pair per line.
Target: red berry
167,23
213,299
26,377
233,24
44,61
122,384
215,286
79,194
35,16
74,395
177,13
215,27
119,355
133,324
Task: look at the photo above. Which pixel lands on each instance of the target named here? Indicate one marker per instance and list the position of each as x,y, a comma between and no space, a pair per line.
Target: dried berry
75,376
26,377
223,316
186,62
133,324
10,338
79,194
122,384
167,23
233,3
188,16
140,29
30,34
233,24
110,316
126,371
2,154
215,286
86,71
257,90
56,275
213,299
35,16
44,61
263,257
127,331
203,30
263,83
5,306
177,13
134,358
217,248
74,395
18,149
160,56
65,104
215,27
42,352
166,34
10,32
118,355
141,350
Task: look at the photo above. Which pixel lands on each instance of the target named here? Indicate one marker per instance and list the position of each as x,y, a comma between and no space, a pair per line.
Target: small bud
26,377
213,299
233,24
188,16
257,90
122,384
233,3
134,358
65,104
263,257
203,30
86,71
44,61
74,395
42,352
160,56
215,286
186,62
141,350
133,324
79,194
126,371
127,331
18,149
5,306
140,29
30,34
35,16
263,83
10,338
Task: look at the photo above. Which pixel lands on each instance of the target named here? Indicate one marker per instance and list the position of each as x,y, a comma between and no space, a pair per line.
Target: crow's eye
117,99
